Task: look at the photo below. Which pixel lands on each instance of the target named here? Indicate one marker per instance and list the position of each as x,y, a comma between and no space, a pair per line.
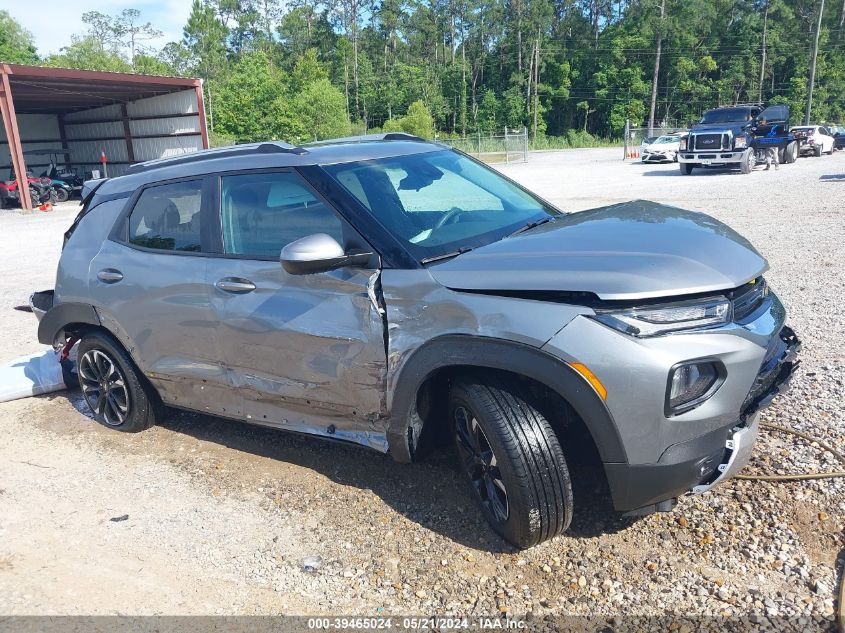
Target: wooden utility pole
812,81
763,54
536,81
656,75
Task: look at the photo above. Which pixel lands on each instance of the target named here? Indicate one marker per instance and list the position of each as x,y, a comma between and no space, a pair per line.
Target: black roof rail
365,138
268,147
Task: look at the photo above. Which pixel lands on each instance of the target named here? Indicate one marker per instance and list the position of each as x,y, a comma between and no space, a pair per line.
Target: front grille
748,298
775,372
705,142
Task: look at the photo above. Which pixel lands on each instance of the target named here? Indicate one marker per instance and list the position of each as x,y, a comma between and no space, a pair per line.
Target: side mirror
318,253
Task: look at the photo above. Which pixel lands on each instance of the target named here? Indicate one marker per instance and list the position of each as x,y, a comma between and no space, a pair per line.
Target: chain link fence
511,146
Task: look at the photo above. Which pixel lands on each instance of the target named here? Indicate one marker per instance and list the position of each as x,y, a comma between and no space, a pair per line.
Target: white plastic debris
32,375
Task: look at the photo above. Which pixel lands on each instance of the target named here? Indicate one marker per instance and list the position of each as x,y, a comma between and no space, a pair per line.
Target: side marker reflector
590,377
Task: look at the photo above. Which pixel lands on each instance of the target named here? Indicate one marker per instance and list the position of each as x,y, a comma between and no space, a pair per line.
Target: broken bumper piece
698,465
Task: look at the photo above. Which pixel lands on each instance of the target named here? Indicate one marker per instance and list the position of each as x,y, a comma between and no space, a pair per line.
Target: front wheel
61,194
513,460
686,168
749,160
114,390
819,149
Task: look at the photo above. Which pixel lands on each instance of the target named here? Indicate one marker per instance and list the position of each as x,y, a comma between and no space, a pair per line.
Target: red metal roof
38,89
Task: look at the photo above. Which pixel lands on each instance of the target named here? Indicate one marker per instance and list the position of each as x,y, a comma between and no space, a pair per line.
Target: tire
513,461
133,404
54,197
790,154
34,197
686,168
749,160
818,151
61,194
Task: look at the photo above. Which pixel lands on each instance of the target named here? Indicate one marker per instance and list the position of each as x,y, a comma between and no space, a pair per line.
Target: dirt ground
205,516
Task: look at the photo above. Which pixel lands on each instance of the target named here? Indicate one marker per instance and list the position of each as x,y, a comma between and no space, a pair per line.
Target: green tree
488,113
16,44
87,53
418,121
320,108
252,102
307,70
204,38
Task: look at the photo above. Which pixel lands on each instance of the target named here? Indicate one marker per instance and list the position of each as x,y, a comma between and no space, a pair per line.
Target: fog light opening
692,383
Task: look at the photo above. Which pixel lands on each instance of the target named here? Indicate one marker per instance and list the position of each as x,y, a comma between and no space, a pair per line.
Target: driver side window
264,212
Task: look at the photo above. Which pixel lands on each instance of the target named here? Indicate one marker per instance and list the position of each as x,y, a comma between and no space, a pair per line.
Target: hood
630,251
662,147
735,126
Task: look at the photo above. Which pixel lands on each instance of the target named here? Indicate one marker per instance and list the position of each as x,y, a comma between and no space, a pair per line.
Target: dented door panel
307,343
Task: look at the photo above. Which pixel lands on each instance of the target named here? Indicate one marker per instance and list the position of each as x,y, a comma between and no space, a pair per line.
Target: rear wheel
513,460
749,160
686,168
117,394
790,153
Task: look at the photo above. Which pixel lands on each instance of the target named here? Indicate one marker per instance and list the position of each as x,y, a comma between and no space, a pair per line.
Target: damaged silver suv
422,298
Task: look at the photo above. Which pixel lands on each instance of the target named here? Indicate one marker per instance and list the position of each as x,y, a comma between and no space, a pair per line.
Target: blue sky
52,22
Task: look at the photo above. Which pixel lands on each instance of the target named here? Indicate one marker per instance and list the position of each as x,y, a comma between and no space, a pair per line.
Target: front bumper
658,157
698,465
726,157
40,302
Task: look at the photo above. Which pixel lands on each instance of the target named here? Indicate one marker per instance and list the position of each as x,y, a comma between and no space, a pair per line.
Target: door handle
109,275
235,285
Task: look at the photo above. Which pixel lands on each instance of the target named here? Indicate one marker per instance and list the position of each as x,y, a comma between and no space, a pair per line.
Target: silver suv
423,298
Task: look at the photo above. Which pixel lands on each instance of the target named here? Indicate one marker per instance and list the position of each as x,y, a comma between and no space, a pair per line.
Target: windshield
727,115
668,139
439,202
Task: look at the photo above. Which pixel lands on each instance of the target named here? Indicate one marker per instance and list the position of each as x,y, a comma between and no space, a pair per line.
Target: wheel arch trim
62,314
491,353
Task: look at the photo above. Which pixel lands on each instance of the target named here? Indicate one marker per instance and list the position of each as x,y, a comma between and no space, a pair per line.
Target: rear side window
262,213
167,217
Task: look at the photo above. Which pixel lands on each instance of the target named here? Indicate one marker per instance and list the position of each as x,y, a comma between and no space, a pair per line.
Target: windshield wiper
532,225
438,258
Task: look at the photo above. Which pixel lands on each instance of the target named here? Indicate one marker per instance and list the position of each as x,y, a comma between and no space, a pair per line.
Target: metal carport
130,118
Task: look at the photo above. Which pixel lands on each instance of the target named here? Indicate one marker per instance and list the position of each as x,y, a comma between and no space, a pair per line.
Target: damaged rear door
311,346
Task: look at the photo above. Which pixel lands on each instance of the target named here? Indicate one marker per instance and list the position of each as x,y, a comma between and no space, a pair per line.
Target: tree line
309,69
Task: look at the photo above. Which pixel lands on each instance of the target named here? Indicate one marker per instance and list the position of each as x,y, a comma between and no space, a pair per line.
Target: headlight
683,145
740,142
654,320
692,383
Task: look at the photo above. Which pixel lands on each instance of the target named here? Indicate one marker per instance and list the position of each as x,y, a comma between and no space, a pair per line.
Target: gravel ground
219,515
